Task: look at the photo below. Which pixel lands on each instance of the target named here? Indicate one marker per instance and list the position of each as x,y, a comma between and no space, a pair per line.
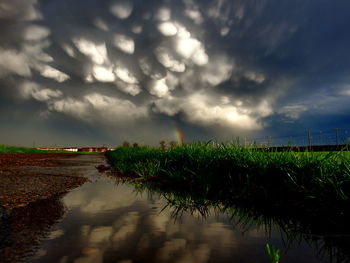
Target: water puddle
107,220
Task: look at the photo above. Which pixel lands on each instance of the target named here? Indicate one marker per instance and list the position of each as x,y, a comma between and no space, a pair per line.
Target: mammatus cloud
202,108
121,9
204,63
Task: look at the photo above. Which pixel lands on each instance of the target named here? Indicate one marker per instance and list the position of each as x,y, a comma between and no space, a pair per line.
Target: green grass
306,195
242,172
17,149
273,254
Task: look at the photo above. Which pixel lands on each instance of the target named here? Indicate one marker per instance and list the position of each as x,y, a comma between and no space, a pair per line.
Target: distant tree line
163,145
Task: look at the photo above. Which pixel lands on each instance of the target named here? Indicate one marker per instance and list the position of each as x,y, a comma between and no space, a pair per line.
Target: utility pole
309,138
269,141
337,136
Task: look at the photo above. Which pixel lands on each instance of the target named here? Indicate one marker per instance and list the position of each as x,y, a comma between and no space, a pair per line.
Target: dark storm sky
90,72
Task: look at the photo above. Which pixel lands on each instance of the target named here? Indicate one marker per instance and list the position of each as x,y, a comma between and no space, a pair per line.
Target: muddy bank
26,178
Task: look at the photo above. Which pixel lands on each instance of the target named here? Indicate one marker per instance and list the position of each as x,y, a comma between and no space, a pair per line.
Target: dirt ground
25,178
31,188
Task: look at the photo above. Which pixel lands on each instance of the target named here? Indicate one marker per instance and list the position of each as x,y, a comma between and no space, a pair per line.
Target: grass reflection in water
325,231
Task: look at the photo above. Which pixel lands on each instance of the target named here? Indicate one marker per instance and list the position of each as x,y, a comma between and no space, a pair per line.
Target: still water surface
108,221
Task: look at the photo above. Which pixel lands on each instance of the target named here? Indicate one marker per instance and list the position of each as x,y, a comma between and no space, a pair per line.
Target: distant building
93,149
70,149
76,149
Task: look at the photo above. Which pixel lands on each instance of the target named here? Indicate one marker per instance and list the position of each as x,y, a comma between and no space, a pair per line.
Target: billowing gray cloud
127,69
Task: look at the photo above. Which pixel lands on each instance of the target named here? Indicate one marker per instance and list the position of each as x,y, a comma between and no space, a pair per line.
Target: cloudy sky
93,72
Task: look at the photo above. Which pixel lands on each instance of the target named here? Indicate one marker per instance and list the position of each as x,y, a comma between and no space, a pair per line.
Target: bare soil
25,178
31,188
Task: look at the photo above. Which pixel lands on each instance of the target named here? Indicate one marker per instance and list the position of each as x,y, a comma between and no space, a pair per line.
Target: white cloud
36,33
159,88
217,71
33,90
198,108
224,31
137,29
225,100
132,89
167,29
124,43
293,111
68,49
97,52
343,89
182,32
25,10
147,67
34,52
172,81
46,94
125,75
187,46
70,106
195,15
192,49
103,74
115,108
257,77
200,57
168,105
220,11
206,109
121,9
346,92
100,24
163,14
167,60
12,61
52,73
263,108
89,78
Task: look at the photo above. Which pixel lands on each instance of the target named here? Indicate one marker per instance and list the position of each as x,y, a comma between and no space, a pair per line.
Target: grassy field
242,172
16,149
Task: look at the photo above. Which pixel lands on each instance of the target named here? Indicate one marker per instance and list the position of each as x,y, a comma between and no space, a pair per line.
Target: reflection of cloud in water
96,198
100,235
112,223
135,229
55,234
170,248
